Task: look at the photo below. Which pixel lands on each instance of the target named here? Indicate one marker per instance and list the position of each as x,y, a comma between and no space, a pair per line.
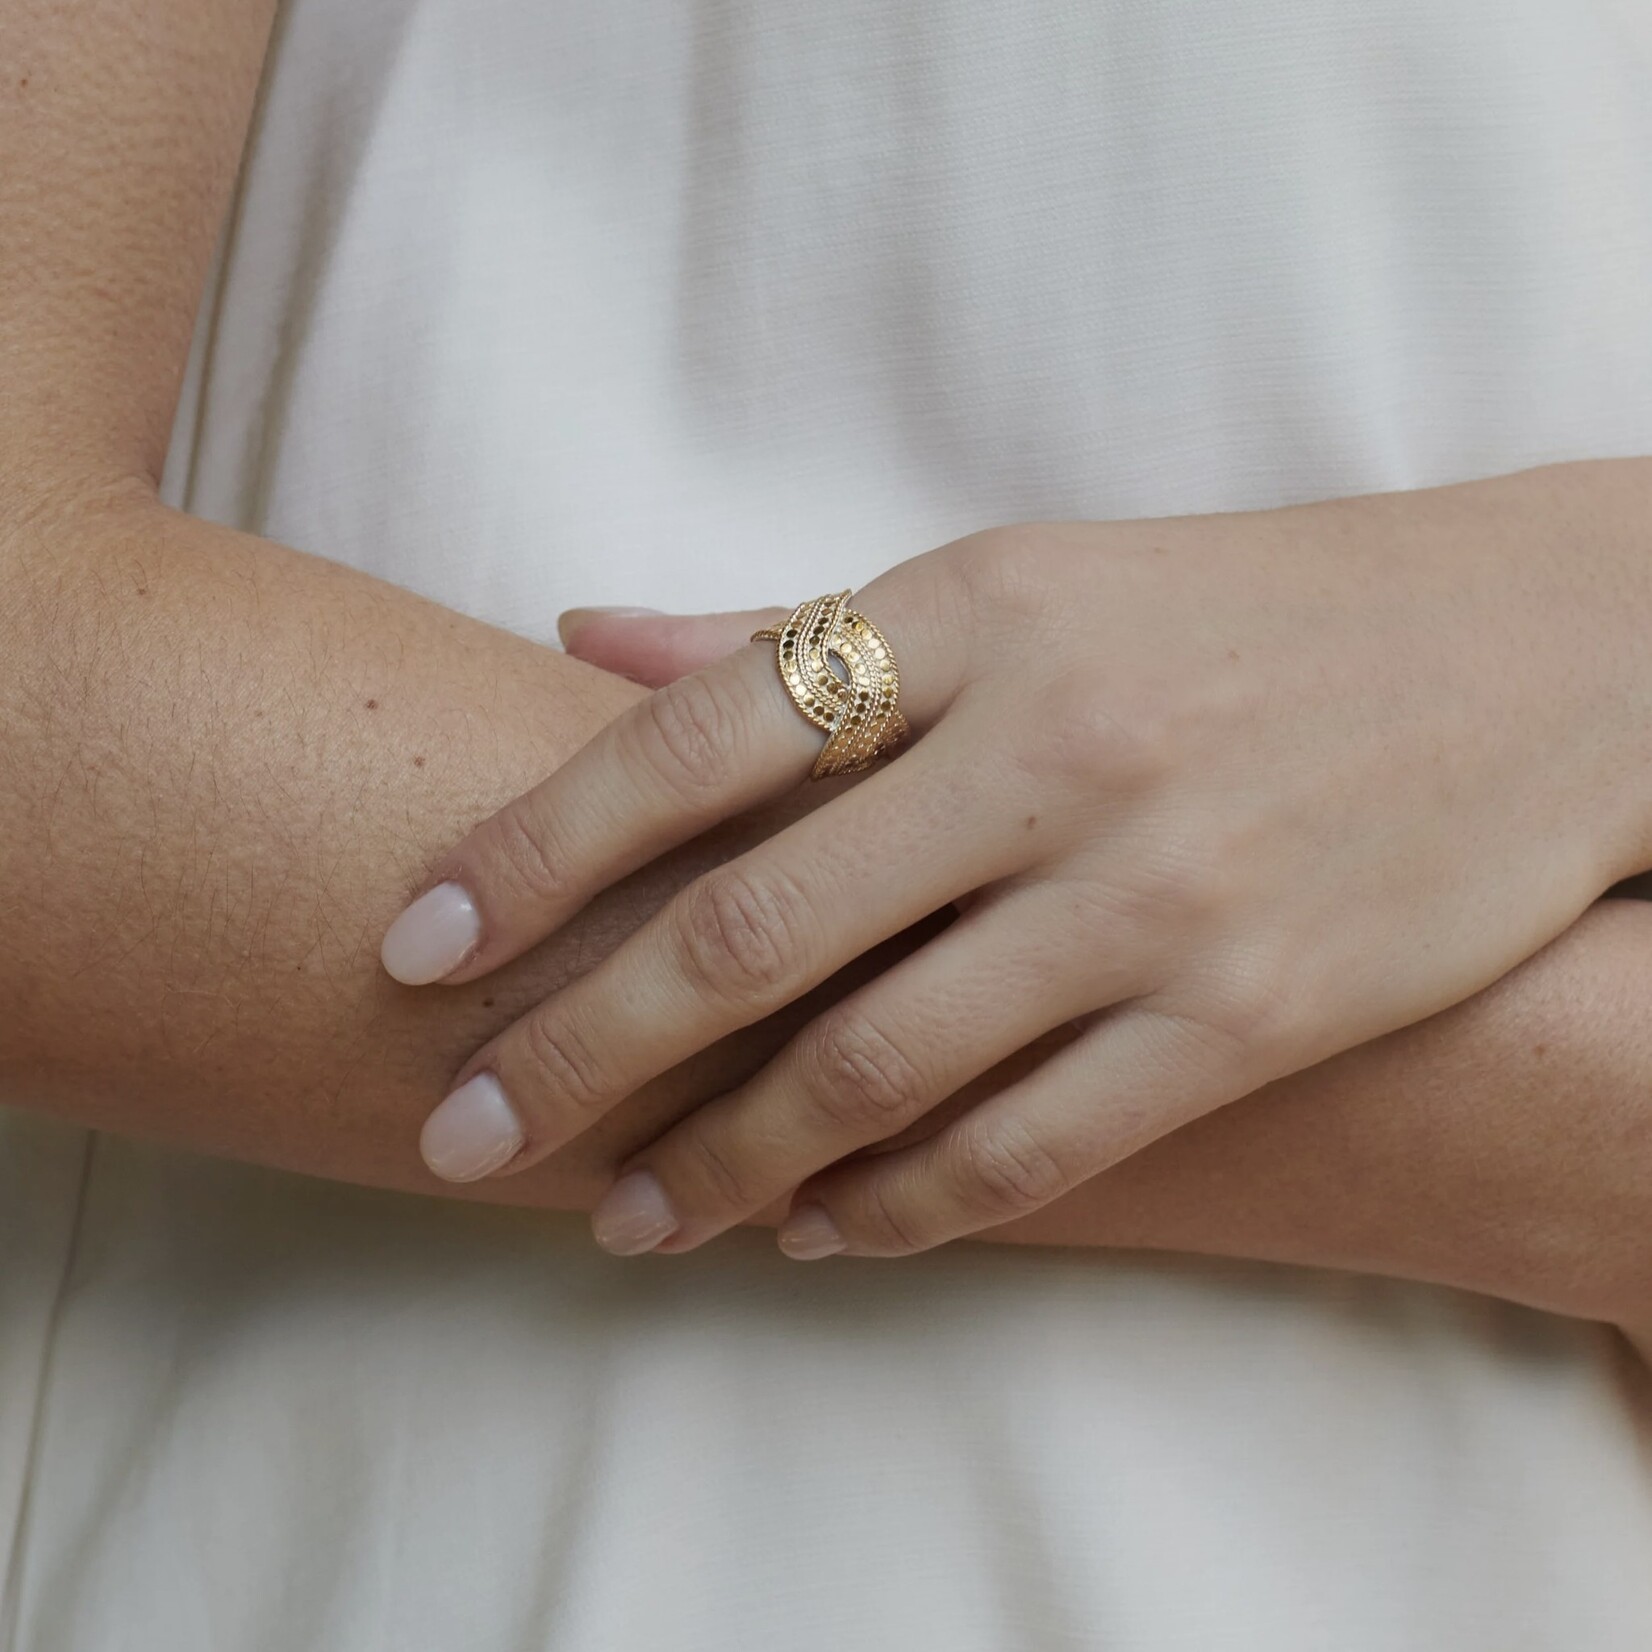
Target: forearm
228,765
225,763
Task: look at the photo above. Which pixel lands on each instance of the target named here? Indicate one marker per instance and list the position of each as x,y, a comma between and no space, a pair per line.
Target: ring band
858,709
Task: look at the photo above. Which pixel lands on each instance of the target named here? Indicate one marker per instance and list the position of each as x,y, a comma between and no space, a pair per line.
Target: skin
229,764
1235,793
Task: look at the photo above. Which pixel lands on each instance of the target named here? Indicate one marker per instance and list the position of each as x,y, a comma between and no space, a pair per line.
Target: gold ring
856,706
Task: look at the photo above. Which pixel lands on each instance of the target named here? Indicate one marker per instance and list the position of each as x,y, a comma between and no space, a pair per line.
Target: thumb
652,648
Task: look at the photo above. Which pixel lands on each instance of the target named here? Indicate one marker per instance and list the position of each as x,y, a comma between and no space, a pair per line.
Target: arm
226,763
1504,1146
209,830
215,798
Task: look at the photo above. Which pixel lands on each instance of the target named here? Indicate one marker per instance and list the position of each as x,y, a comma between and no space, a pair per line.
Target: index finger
695,752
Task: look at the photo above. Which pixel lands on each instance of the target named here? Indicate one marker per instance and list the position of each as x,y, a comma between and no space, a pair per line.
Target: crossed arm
228,764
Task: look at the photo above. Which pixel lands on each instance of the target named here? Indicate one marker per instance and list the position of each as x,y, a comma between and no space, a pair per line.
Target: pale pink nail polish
432,937
473,1133
809,1233
573,620
634,1215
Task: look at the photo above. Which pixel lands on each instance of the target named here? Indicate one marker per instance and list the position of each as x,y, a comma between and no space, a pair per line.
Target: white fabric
680,302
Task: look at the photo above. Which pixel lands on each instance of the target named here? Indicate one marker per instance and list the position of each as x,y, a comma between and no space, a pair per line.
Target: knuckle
691,732
521,852
560,1066
1003,571
1210,885
741,935
1176,890
1240,1030
1089,740
710,1165
882,1227
1007,1172
863,1080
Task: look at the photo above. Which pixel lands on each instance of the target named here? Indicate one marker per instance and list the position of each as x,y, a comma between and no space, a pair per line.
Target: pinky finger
1138,1074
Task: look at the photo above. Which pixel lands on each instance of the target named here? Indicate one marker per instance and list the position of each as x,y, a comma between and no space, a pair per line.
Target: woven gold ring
857,706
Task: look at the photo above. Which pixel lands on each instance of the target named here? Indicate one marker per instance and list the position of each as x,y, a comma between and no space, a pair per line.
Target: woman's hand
1503,1146
1234,793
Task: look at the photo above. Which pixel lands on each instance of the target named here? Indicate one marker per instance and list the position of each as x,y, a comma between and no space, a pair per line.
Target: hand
1503,1146
1233,793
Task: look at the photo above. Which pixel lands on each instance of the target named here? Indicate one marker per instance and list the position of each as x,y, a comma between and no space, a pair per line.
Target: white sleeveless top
527,303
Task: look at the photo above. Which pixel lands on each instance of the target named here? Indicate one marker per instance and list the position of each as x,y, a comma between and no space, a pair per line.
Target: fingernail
634,1215
432,937
809,1233
473,1133
572,620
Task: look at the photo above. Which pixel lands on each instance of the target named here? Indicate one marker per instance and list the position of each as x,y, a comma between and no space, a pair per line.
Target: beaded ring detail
855,705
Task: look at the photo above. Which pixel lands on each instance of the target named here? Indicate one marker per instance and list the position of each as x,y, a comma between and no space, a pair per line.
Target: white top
526,304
